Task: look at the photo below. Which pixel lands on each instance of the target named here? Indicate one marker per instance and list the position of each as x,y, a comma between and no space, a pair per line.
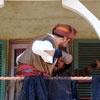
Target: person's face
64,42
60,63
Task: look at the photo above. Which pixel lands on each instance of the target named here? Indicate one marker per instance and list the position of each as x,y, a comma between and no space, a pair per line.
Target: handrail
51,78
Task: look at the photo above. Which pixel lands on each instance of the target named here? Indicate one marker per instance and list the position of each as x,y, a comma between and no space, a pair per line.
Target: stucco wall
26,20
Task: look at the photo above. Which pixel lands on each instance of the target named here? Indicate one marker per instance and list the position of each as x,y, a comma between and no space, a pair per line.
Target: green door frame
3,68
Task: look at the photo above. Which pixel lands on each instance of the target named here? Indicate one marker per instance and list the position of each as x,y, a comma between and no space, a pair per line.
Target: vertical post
1,3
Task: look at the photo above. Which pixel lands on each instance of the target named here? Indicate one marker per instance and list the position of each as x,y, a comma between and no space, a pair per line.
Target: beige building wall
27,20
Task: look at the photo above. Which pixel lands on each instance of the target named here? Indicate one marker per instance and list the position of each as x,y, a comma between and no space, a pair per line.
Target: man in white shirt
45,50
39,58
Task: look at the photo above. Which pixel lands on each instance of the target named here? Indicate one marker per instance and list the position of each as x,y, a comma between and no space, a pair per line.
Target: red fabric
29,67
31,74
25,67
71,33
27,74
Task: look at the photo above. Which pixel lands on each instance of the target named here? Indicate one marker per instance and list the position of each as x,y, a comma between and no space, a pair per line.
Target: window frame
15,44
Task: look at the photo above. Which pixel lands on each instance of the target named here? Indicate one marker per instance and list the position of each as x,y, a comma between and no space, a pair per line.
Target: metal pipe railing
51,78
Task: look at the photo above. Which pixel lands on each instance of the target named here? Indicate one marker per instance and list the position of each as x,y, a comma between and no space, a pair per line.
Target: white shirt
39,46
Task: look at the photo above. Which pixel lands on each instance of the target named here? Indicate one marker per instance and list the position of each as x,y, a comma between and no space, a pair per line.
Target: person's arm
67,58
86,71
46,51
81,72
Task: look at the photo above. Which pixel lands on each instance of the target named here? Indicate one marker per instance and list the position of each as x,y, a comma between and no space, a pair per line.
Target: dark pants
95,88
59,89
33,88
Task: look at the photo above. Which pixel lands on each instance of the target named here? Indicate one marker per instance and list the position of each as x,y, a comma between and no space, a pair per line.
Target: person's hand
65,42
50,52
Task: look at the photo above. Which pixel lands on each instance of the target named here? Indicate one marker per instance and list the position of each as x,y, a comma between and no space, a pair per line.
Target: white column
1,3
79,8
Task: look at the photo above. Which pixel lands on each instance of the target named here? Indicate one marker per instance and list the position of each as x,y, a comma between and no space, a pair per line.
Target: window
16,48
85,51
2,68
